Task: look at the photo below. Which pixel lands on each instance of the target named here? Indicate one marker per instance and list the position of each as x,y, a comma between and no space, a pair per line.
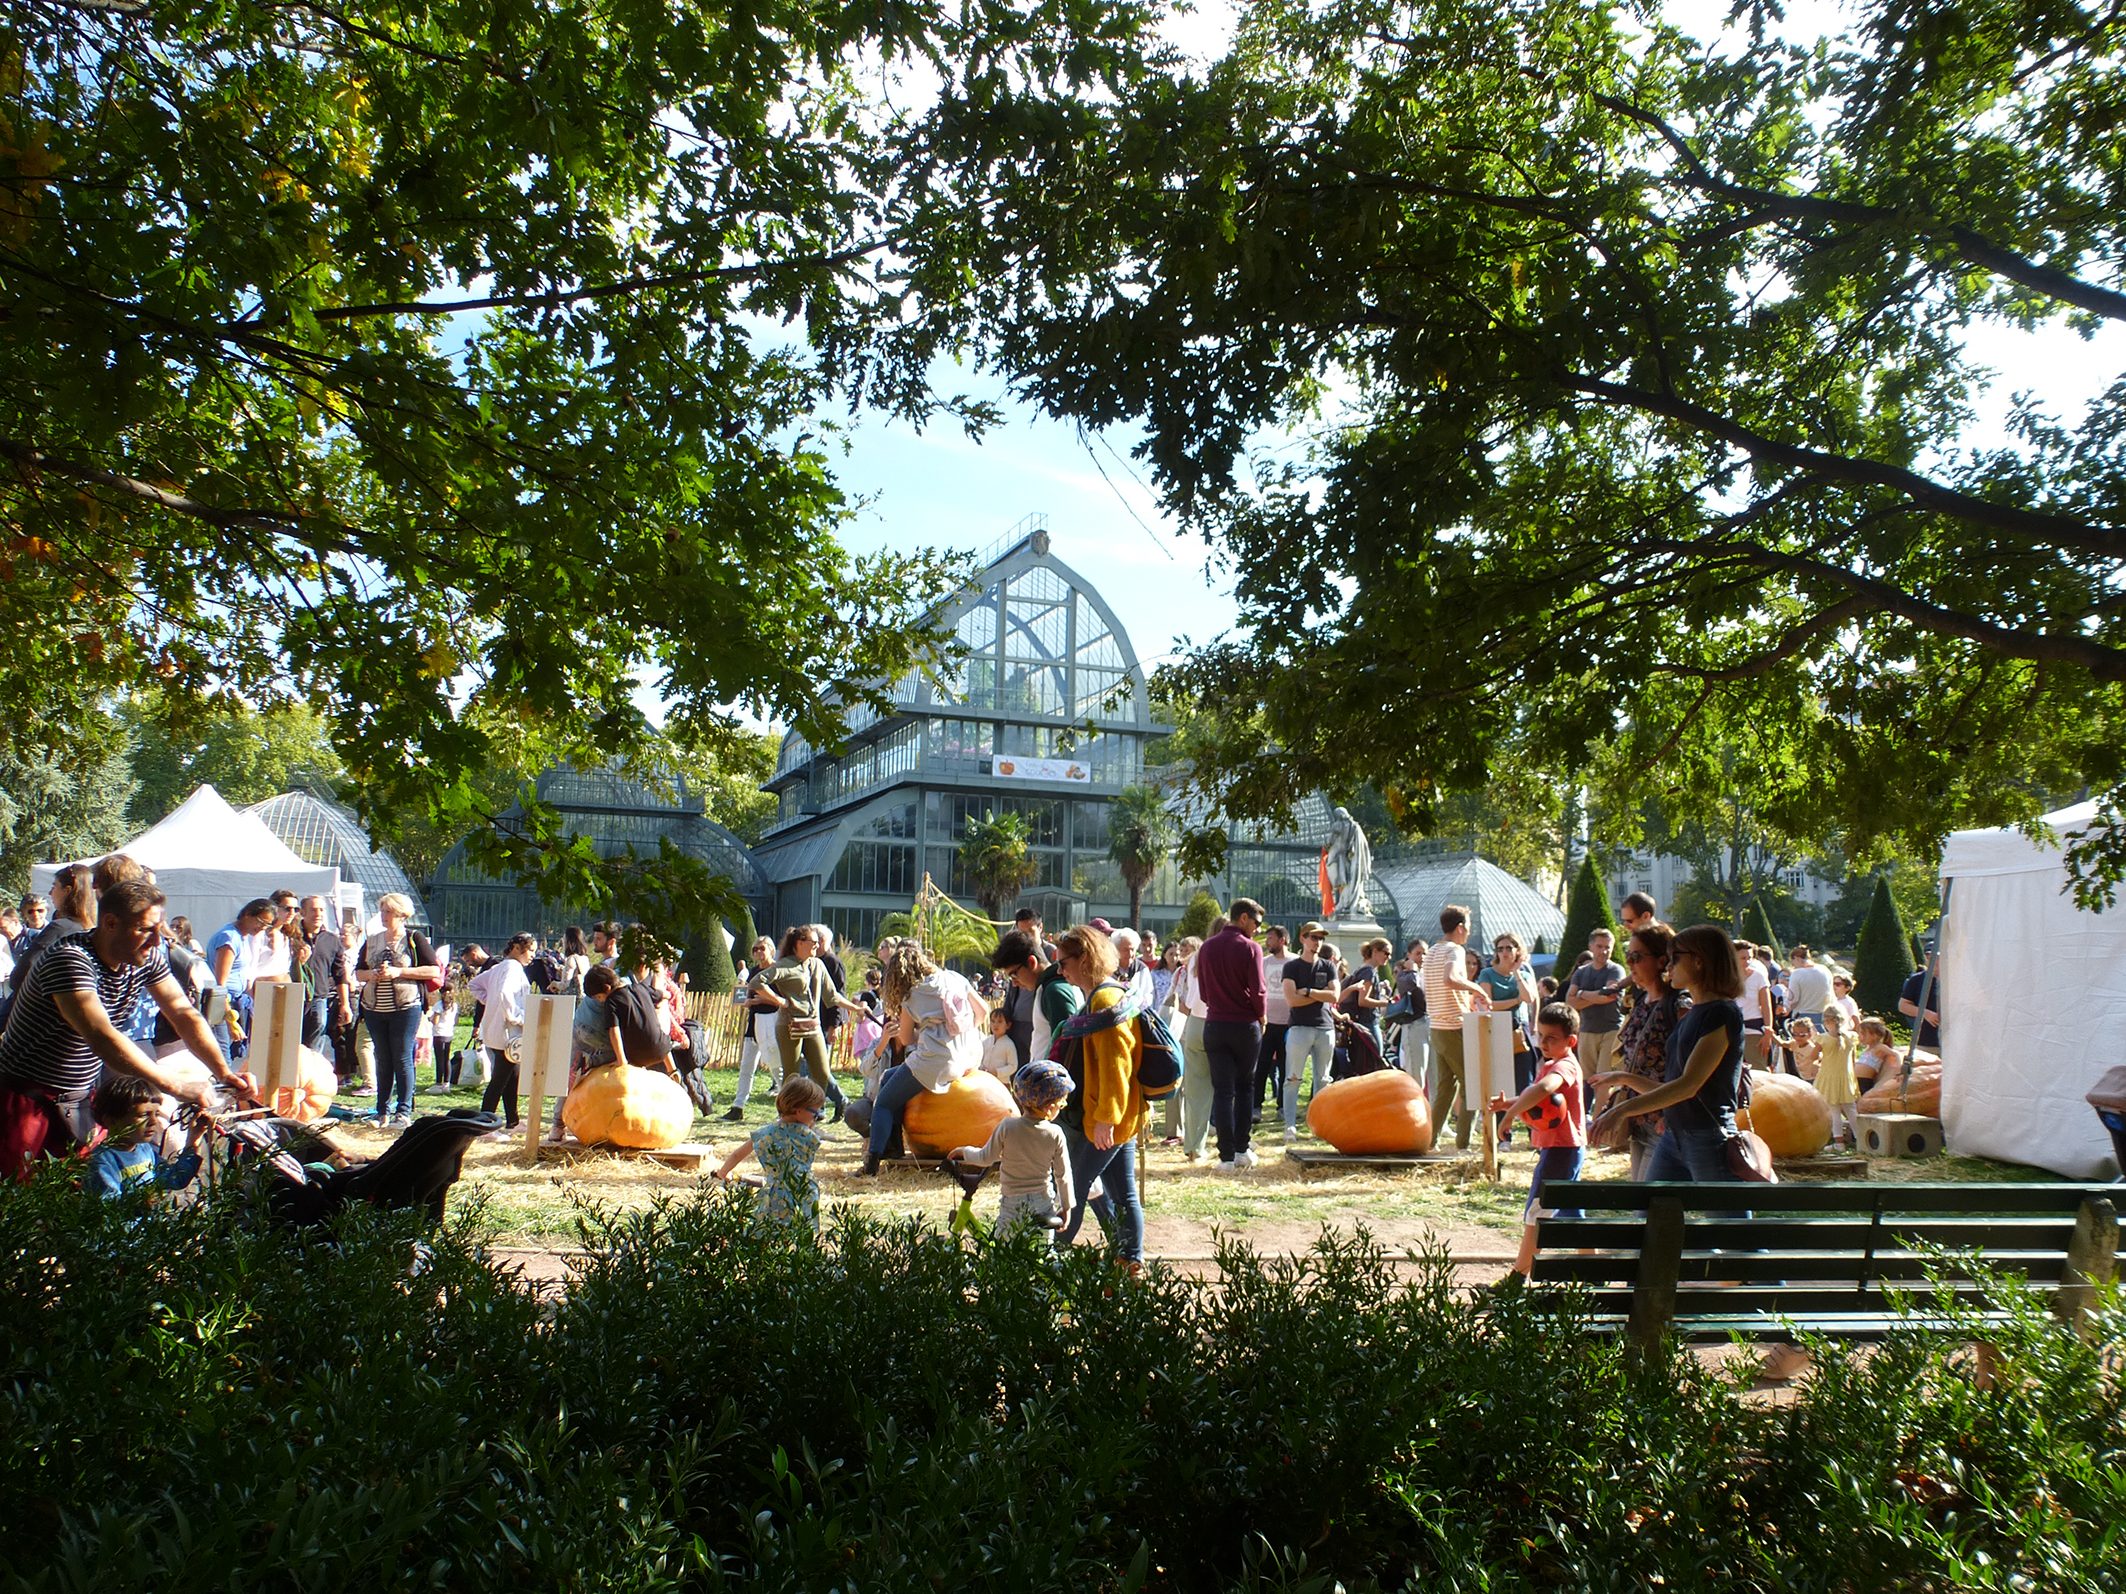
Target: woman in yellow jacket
1101,1119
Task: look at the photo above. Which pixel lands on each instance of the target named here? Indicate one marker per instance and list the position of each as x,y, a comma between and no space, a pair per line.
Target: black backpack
633,1009
544,972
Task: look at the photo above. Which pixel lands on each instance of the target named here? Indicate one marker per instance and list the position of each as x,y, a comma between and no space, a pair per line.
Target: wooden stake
543,1070
1490,1124
2092,1258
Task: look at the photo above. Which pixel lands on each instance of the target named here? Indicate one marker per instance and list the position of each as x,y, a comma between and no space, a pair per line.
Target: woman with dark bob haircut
1702,1082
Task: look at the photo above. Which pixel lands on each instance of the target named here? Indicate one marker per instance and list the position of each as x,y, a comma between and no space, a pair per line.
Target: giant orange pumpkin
965,1113
1378,1114
622,1105
1787,1114
316,1085
1921,1094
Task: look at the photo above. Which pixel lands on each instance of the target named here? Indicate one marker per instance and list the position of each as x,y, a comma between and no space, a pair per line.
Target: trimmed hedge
1586,911
198,1401
1882,961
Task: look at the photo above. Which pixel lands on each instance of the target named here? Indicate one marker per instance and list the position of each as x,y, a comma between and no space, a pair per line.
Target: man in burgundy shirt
1229,977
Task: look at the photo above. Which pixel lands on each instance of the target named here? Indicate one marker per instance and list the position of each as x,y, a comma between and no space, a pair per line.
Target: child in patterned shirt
1555,1107
789,1195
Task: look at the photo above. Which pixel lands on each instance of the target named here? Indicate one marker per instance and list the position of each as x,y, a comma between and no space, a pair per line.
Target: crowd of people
1647,1057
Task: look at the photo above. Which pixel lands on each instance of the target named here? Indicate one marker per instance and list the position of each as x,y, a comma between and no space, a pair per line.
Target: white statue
1350,867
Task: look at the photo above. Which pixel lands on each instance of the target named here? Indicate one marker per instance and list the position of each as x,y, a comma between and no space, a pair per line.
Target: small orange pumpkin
965,1113
622,1105
1921,1094
1379,1114
1787,1114
316,1085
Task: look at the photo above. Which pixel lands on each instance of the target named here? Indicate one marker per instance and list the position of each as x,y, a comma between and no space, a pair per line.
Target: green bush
1586,911
196,1401
1883,959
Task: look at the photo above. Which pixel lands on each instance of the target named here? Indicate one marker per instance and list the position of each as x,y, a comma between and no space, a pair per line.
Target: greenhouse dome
318,830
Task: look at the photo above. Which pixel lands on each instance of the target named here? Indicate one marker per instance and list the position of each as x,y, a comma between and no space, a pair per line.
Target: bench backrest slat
1844,1195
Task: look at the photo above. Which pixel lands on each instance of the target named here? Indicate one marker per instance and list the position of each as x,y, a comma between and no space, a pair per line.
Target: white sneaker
1242,1159
1223,1167
1290,1134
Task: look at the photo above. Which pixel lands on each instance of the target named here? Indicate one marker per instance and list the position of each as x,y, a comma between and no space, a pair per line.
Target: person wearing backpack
1107,1105
1228,970
1038,990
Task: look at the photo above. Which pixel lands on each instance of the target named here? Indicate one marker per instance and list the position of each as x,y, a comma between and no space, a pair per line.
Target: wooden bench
1711,1261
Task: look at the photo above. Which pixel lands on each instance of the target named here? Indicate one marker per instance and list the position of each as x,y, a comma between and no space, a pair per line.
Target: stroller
969,1178
1357,1050
305,1187
415,1170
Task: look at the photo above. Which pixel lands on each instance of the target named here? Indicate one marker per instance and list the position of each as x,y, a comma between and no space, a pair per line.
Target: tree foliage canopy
457,368
1642,413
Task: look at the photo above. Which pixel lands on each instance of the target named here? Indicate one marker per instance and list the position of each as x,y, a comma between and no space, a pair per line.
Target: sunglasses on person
1637,956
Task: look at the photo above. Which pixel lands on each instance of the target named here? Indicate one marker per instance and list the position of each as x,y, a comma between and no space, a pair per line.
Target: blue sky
940,488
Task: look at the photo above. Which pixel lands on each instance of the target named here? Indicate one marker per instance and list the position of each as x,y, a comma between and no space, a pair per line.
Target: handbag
801,1026
1743,1160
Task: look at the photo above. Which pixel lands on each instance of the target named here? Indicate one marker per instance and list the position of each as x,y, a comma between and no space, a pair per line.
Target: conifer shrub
1882,960
1198,917
1586,911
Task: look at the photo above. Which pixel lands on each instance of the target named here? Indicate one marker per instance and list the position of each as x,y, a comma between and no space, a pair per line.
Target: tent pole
1926,989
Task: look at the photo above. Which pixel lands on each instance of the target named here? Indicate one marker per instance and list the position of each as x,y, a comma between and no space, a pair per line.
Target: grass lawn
1272,1206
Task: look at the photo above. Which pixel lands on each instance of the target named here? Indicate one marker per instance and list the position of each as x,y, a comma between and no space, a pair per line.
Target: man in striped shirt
62,1031
1450,996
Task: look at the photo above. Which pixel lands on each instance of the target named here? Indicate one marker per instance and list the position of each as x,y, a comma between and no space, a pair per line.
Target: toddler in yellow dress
1836,1080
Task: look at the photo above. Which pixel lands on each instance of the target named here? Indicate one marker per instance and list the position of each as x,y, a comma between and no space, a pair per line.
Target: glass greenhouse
318,830
469,905
1047,716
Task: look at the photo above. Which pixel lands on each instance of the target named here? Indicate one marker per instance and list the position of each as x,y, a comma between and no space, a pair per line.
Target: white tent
2033,1003
210,860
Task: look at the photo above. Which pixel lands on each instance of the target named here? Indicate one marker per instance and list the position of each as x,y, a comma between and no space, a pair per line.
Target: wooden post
1494,1047
277,1036
1653,1297
2092,1256
542,1067
1487,1120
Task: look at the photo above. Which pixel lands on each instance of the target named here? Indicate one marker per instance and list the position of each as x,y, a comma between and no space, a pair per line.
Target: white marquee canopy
210,860
2033,1002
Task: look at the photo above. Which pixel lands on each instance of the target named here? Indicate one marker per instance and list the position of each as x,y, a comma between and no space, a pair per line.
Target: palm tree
1140,833
947,931
997,853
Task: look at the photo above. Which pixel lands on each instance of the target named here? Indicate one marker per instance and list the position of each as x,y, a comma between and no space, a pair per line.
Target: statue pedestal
1348,935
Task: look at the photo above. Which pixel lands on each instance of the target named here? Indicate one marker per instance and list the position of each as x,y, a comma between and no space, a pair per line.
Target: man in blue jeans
1310,991
1229,978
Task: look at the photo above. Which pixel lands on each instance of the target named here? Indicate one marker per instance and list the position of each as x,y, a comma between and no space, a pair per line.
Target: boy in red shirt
1555,1107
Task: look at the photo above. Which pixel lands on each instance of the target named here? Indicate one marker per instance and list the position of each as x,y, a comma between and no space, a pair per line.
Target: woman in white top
1195,1092
940,1024
502,987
